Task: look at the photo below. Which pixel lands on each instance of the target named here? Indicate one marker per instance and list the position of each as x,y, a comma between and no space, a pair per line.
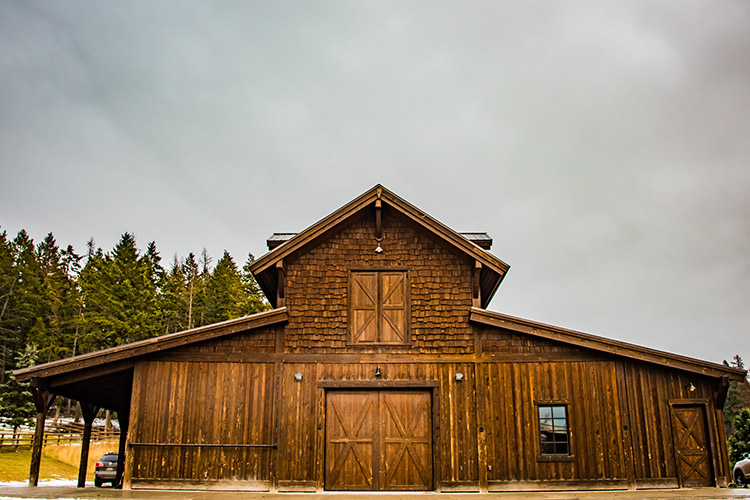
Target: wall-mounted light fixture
378,249
378,373
298,376
691,387
459,377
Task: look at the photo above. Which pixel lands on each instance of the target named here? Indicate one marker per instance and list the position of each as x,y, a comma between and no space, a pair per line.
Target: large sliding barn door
378,440
691,448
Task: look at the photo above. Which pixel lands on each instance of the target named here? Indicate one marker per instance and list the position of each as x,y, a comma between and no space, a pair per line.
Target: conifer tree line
55,303
737,414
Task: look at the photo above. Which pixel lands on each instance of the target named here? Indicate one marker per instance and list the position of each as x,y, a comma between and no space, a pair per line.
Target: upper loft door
378,440
691,447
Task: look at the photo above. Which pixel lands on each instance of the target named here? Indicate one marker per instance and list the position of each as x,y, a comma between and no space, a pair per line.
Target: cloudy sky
605,145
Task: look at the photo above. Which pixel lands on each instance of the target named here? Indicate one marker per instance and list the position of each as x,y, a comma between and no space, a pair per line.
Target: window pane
553,430
560,437
558,411
561,449
545,412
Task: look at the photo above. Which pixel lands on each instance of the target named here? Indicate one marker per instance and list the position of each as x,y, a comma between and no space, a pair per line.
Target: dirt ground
44,492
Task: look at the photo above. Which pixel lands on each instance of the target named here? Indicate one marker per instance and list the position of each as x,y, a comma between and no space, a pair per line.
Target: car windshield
110,457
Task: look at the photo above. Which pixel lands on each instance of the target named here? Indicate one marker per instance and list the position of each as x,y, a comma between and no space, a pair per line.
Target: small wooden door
692,452
378,440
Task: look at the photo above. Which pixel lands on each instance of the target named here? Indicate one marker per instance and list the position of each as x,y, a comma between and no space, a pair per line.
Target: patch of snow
44,482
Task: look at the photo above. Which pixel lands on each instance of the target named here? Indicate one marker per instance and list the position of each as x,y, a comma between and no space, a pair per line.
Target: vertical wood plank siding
650,390
590,391
203,404
236,403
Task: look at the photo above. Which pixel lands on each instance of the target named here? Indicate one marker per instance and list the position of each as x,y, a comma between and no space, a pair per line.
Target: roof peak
493,270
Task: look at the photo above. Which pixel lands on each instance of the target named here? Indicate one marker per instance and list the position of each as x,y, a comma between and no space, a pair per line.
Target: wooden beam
83,375
123,419
43,401
378,220
377,384
135,398
280,288
89,412
476,289
721,392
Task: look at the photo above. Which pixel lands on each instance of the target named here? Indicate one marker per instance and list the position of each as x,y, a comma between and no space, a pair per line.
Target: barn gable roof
493,269
135,349
602,344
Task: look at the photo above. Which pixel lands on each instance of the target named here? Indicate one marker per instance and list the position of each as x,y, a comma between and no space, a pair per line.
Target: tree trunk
78,413
57,416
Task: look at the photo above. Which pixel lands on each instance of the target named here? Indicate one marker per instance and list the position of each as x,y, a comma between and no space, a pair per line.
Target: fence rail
25,438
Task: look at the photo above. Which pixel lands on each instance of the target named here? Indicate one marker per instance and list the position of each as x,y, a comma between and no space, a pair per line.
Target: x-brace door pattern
378,440
691,445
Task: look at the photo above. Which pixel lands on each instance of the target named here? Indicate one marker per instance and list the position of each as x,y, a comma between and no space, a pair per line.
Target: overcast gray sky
605,145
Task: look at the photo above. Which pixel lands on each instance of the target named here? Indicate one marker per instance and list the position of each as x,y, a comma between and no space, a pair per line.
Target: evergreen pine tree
54,331
739,441
201,301
72,300
120,298
152,260
24,315
256,300
174,299
738,397
225,292
16,401
194,287
8,279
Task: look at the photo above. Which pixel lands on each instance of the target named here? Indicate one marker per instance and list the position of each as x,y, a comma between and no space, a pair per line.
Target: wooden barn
379,368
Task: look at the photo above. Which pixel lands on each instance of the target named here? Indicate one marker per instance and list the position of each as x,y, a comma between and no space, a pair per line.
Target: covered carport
107,386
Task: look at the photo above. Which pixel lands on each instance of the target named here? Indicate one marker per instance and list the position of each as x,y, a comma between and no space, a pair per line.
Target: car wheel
739,478
98,482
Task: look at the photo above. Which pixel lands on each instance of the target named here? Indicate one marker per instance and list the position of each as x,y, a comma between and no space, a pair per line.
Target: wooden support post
89,414
378,220
723,454
132,425
281,276
480,382
122,417
42,400
476,289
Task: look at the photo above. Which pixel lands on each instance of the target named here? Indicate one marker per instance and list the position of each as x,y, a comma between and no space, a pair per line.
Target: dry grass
71,454
14,466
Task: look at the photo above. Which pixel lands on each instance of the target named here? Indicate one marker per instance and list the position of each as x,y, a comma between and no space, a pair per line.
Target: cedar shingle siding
317,288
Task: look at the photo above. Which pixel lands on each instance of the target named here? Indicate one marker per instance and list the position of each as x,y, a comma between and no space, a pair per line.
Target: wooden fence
52,437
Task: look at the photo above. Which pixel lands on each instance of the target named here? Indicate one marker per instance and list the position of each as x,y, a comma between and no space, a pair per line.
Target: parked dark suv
106,469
